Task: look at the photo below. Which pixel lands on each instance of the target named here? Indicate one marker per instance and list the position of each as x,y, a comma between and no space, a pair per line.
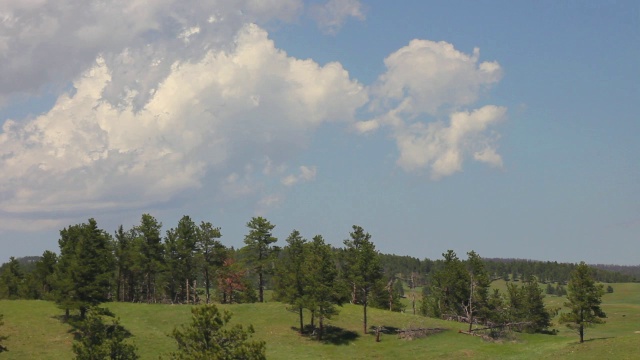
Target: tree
449,288
210,337
151,253
98,340
44,272
584,298
211,253
526,304
321,290
362,265
11,279
259,240
292,277
2,337
85,267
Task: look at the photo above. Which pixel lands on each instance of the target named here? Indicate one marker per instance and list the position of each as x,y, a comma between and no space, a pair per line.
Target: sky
504,127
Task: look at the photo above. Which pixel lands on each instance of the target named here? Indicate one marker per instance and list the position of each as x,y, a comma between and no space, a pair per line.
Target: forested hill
511,269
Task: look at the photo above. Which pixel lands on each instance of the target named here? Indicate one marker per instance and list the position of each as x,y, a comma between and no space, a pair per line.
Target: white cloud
307,173
429,77
202,119
442,147
333,14
426,81
50,42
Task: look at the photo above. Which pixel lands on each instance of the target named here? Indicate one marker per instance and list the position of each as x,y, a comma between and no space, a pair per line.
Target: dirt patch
637,332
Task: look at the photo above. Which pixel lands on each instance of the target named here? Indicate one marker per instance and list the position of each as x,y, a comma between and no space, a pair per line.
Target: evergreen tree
84,271
210,337
211,253
11,280
449,288
97,340
321,289
584,300
538,315
187,238
151,253
362,267
44,274
260,250
292,275
127,257
477,305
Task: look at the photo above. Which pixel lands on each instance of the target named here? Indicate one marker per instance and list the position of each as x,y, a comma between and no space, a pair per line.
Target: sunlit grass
36,332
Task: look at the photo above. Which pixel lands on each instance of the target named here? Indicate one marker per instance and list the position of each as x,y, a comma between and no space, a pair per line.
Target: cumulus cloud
429,77
426,81
333,14
156,99
48,42
443,146
216,115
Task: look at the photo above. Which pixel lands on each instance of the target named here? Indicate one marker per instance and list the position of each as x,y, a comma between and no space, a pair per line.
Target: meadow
36,332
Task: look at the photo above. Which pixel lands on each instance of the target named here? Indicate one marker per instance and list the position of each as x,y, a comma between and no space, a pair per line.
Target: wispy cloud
333,14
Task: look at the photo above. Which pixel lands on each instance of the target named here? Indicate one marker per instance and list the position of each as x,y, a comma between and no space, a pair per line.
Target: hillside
36,333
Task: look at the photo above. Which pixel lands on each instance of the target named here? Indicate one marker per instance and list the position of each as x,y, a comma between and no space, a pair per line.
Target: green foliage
150,260
292,279
260,250
526,304
11,280
97,340
584,299
211,253
362,267
322,290
84,270
449,288
609,289
209,337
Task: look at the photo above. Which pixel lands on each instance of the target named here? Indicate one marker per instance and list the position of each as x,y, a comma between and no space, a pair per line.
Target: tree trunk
581,333
187,283
206,281
260,286
364,302
301,320
321,325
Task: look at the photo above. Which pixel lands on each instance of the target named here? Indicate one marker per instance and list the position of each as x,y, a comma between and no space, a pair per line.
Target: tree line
189,264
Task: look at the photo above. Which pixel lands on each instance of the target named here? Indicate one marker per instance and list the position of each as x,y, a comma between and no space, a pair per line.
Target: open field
36,333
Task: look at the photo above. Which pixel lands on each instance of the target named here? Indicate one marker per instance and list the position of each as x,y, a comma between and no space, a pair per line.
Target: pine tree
151,253
584,298
292,277
322,291
260,250
362,265
84,270
210,337
97,340
211,253
11,279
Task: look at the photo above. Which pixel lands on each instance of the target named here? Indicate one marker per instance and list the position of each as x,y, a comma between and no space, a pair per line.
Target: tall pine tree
362,267
260,250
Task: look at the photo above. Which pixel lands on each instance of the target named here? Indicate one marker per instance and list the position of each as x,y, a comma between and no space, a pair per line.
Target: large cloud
49,42
424,82
215,115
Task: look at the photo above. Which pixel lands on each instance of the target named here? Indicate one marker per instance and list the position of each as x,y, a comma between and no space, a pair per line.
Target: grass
35,332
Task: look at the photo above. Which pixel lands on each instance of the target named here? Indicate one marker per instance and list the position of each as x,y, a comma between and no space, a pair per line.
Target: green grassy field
36,333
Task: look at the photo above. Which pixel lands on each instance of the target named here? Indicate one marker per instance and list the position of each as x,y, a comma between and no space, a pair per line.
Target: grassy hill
36,333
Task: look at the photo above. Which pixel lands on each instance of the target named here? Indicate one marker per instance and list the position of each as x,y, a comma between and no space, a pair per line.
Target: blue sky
507,128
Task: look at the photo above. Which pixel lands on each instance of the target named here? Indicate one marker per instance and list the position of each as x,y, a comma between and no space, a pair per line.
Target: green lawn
36,333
